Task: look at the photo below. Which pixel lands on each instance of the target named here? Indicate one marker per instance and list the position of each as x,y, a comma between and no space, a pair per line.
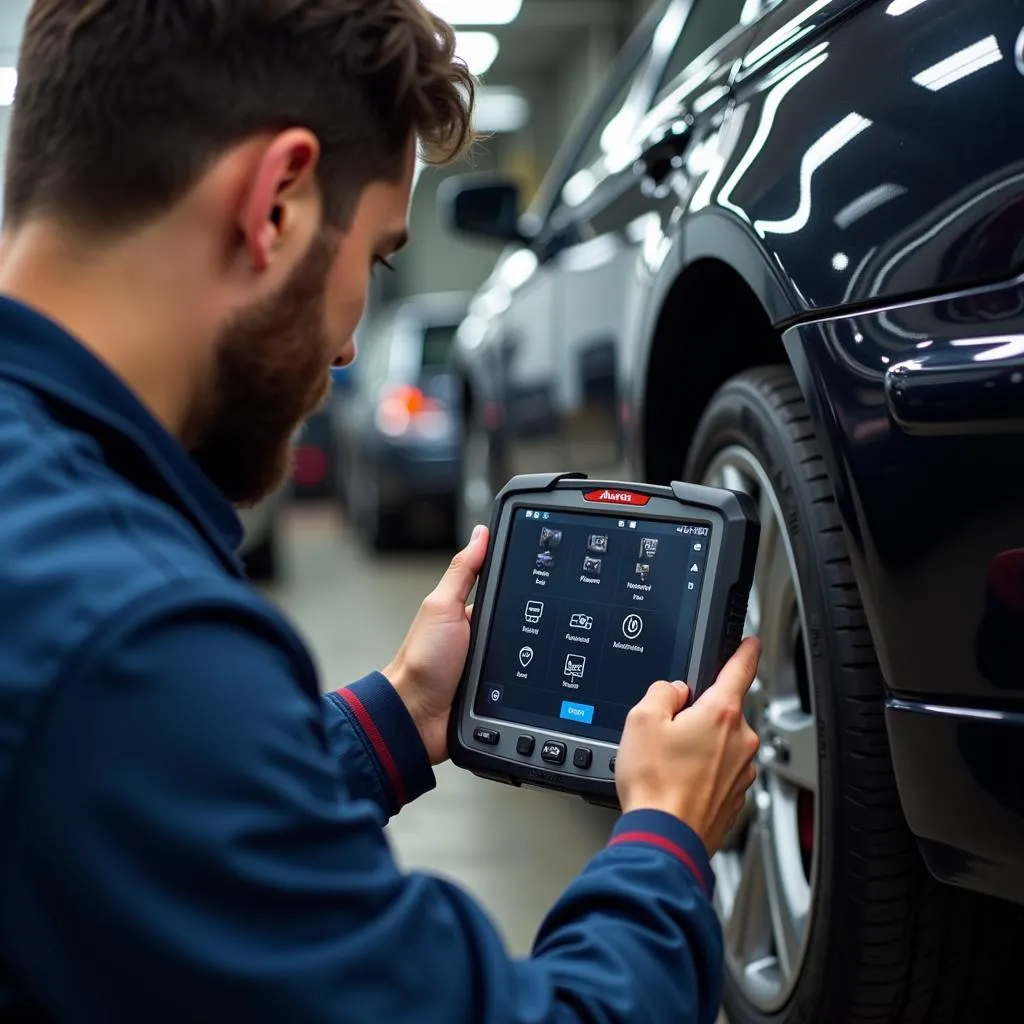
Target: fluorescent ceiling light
8,83
500,110
478,50
476,12
961,64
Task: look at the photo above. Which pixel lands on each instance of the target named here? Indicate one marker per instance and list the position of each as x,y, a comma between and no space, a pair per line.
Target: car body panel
930,486
871,178
959,777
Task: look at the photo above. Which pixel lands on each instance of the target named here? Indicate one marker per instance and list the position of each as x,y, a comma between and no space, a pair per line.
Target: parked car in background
783,254
396,430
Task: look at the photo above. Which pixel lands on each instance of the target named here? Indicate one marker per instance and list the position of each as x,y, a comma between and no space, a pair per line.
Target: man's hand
426,671
695,764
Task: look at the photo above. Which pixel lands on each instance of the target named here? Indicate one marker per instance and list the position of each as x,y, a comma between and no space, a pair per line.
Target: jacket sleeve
376,744
181,847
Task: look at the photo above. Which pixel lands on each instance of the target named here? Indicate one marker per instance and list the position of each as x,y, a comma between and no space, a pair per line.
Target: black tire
886,942
262,563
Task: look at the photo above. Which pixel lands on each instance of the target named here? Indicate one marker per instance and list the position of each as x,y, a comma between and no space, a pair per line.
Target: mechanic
197,192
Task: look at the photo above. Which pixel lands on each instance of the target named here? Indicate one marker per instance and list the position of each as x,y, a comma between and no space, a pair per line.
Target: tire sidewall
740,415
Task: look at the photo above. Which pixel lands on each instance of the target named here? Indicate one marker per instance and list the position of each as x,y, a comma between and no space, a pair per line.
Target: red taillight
403,406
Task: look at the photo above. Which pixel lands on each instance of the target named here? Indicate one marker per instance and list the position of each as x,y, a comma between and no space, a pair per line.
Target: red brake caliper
805,819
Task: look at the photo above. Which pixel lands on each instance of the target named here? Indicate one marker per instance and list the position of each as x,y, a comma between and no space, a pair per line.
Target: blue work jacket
190,831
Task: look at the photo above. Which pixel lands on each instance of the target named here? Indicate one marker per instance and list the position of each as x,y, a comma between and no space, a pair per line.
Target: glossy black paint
853,170
923,410
950,760
884,173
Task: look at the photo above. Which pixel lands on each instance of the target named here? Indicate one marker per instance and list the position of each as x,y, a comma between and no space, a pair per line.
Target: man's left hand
426,671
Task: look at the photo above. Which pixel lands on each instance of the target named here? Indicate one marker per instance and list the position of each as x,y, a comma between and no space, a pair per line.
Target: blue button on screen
577,712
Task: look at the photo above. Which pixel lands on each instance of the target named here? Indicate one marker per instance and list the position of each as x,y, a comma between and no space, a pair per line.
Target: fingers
665,700
458,581
469,612
736,677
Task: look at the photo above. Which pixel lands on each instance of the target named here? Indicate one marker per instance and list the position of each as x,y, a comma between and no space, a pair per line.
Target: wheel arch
683,347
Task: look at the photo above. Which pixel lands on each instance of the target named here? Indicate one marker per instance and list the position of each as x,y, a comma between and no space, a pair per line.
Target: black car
396,429
784,254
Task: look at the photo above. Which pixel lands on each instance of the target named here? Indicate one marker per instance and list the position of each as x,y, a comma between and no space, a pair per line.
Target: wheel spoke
734,836
766,547
788,922
793,737
749,928
733,479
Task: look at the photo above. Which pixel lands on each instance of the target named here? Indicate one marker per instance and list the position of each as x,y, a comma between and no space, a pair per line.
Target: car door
536,393
613,203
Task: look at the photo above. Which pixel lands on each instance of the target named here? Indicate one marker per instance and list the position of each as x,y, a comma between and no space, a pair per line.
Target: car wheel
827,910
476,486
262,562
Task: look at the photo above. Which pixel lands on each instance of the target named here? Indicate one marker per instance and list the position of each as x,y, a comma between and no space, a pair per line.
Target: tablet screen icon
632,627
550,539
534,610
648,548
575,665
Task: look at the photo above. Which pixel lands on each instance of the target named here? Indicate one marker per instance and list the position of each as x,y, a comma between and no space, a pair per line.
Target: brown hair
121,105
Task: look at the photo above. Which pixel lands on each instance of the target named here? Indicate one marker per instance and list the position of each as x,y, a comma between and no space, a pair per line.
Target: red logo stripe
653,839
383,754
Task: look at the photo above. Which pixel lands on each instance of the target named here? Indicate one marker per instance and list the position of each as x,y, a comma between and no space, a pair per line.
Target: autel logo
618,497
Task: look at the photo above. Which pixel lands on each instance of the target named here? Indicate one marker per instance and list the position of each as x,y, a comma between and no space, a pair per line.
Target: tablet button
525,745
582,757
488,736
553,752
611,765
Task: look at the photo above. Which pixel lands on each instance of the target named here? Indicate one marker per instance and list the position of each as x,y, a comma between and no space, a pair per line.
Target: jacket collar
43,356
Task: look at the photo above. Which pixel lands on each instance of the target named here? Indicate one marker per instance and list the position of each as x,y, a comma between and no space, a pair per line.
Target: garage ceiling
12,17
531,45
546,30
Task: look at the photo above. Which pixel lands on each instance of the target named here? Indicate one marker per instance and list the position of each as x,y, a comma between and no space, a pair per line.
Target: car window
437,347
611,131
707,22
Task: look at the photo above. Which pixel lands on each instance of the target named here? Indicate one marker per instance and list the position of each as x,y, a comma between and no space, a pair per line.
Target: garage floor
354,610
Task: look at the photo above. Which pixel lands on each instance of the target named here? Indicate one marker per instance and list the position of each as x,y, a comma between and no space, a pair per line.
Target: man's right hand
695,764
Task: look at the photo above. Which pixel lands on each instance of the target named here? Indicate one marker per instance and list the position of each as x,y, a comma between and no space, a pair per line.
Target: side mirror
482,207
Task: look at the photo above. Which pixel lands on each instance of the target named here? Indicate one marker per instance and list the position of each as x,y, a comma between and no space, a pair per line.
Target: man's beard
270,374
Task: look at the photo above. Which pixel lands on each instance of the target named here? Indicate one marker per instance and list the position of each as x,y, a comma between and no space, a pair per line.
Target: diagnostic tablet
591,592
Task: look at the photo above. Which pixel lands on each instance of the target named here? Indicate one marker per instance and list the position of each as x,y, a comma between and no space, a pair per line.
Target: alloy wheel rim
766,874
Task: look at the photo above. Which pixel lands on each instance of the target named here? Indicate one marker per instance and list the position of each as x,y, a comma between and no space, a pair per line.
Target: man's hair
122,105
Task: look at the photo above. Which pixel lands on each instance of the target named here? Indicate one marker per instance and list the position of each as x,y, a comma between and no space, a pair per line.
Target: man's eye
386,263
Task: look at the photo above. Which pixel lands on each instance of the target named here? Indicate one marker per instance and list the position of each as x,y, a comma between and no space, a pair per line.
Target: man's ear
282,195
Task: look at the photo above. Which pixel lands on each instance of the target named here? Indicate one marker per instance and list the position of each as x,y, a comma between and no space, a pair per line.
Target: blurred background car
396,430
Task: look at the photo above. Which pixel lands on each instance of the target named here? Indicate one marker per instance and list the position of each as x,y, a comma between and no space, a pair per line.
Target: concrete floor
354,609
